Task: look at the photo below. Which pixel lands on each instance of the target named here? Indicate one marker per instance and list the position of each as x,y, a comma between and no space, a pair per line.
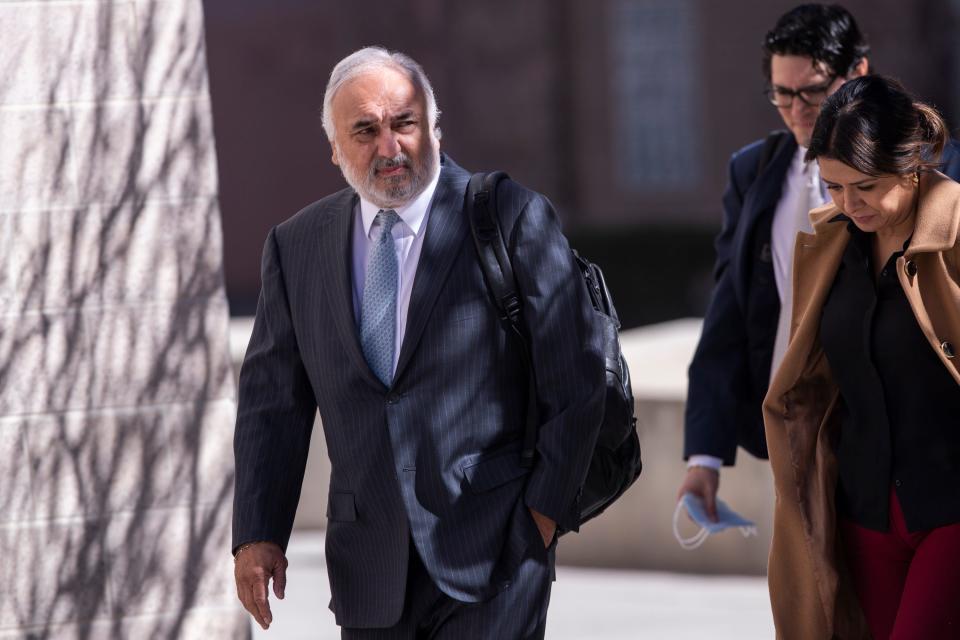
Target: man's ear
862,68
334,154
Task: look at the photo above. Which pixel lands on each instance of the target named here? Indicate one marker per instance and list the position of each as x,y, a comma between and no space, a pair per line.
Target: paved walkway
586,603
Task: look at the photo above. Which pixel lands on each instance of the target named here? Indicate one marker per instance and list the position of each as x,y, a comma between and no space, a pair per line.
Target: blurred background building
624,112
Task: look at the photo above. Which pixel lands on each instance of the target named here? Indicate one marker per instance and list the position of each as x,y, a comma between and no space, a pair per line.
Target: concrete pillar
116,393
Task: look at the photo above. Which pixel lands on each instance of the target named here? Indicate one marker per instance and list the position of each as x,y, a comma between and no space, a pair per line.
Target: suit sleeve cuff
710,462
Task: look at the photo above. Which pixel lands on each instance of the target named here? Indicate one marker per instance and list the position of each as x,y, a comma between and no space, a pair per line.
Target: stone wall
116,393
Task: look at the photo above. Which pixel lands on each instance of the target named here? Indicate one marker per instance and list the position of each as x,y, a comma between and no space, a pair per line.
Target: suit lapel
444,240
761,199
336,254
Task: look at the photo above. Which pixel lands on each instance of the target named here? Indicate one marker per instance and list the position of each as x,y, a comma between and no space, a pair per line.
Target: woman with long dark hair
863,416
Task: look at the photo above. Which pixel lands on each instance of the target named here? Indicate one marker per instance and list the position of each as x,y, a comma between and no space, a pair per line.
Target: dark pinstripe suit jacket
434,457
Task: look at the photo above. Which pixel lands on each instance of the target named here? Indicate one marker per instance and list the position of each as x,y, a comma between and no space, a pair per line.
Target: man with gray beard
373,308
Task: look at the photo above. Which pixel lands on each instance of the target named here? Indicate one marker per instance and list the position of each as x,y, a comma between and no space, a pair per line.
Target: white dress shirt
408,241
802,191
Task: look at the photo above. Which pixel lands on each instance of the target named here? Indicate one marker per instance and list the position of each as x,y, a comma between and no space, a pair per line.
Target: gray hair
370,58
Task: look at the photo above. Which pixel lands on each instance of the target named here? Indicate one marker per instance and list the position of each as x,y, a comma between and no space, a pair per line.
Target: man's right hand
703,482
253,568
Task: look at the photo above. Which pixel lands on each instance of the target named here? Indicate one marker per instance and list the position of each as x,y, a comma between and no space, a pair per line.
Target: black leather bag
615,463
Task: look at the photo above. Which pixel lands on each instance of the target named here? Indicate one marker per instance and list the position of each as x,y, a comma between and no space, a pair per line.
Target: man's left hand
546,526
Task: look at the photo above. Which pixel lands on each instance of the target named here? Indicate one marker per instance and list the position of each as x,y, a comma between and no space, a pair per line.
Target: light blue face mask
726,518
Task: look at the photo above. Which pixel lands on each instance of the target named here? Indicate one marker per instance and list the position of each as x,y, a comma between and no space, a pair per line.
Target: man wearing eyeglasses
809,54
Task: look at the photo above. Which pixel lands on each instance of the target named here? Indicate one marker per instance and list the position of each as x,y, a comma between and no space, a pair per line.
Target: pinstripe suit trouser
519,612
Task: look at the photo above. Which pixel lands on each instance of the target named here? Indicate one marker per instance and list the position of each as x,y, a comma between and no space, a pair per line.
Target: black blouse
900,420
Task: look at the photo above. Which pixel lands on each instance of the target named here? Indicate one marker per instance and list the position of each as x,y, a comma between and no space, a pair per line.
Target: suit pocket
342,507
497,469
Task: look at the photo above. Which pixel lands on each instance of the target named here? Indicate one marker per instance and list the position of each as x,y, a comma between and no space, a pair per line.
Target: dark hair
873,125
825,33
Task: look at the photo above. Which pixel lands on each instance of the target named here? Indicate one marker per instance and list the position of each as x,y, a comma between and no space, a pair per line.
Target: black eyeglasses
813,96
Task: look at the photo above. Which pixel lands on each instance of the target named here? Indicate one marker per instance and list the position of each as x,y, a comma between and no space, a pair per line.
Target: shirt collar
411,215
801,165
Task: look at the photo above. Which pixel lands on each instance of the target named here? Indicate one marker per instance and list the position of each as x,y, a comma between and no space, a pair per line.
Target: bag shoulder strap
481,210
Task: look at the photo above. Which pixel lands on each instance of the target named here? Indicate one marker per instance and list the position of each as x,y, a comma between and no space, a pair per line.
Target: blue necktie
378,312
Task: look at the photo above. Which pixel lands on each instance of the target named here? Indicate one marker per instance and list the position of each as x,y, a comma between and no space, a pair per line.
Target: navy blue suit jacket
730,371
434,457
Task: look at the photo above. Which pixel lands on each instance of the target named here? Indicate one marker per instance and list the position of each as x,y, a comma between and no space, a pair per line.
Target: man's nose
799,108
387,145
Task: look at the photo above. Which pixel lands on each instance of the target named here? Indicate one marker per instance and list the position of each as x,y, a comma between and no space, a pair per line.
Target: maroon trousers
908,583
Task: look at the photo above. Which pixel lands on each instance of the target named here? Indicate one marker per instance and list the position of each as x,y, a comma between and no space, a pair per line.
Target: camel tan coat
811,595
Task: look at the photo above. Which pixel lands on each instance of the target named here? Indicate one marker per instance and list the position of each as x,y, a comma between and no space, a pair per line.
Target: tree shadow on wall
116,396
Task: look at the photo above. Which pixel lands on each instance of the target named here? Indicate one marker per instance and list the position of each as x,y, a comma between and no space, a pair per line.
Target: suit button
393,398
897,483
947,349
911,268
